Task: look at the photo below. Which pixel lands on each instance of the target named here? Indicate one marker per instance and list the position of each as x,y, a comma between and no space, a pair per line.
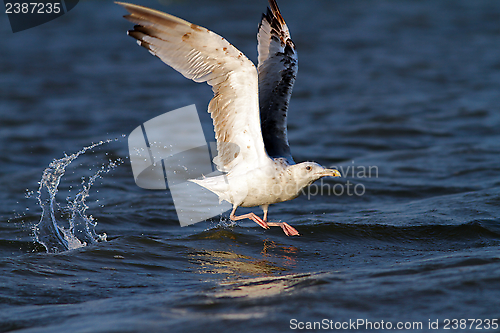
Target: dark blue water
408,88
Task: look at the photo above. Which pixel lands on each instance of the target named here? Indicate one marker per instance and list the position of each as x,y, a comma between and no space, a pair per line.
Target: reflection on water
265,268
287,253
266,286
273,257
233,264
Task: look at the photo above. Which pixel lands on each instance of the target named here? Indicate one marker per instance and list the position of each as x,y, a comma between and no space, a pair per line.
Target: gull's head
306,173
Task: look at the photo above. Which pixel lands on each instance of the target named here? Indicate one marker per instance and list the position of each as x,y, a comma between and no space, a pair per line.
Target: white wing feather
203,56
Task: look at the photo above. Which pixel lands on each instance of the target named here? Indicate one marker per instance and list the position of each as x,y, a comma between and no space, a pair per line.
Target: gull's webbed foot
287,229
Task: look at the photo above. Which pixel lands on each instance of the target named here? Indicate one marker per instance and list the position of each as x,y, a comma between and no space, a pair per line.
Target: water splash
50,231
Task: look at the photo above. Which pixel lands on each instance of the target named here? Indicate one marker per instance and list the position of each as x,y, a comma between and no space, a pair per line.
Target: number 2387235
32,8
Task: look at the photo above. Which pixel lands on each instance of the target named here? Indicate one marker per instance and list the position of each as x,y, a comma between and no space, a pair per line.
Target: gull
249,107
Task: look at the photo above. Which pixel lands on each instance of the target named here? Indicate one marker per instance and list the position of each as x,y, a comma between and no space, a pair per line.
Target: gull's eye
308,168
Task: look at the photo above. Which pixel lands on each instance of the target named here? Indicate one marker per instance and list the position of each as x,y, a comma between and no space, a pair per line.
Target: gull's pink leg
265,208
250,216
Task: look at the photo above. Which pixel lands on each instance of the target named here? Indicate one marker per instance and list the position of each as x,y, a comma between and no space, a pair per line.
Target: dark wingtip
274,6
276,11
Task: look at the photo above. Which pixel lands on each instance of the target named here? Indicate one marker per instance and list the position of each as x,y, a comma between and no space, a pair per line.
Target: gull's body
248,109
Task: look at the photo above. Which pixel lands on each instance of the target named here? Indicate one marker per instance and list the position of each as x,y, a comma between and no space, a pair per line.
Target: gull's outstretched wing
278,64
203,56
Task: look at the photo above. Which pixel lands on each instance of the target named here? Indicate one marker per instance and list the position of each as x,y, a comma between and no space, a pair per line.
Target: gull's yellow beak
331,173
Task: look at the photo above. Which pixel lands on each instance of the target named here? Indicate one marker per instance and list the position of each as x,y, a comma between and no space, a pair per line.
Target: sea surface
403,97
